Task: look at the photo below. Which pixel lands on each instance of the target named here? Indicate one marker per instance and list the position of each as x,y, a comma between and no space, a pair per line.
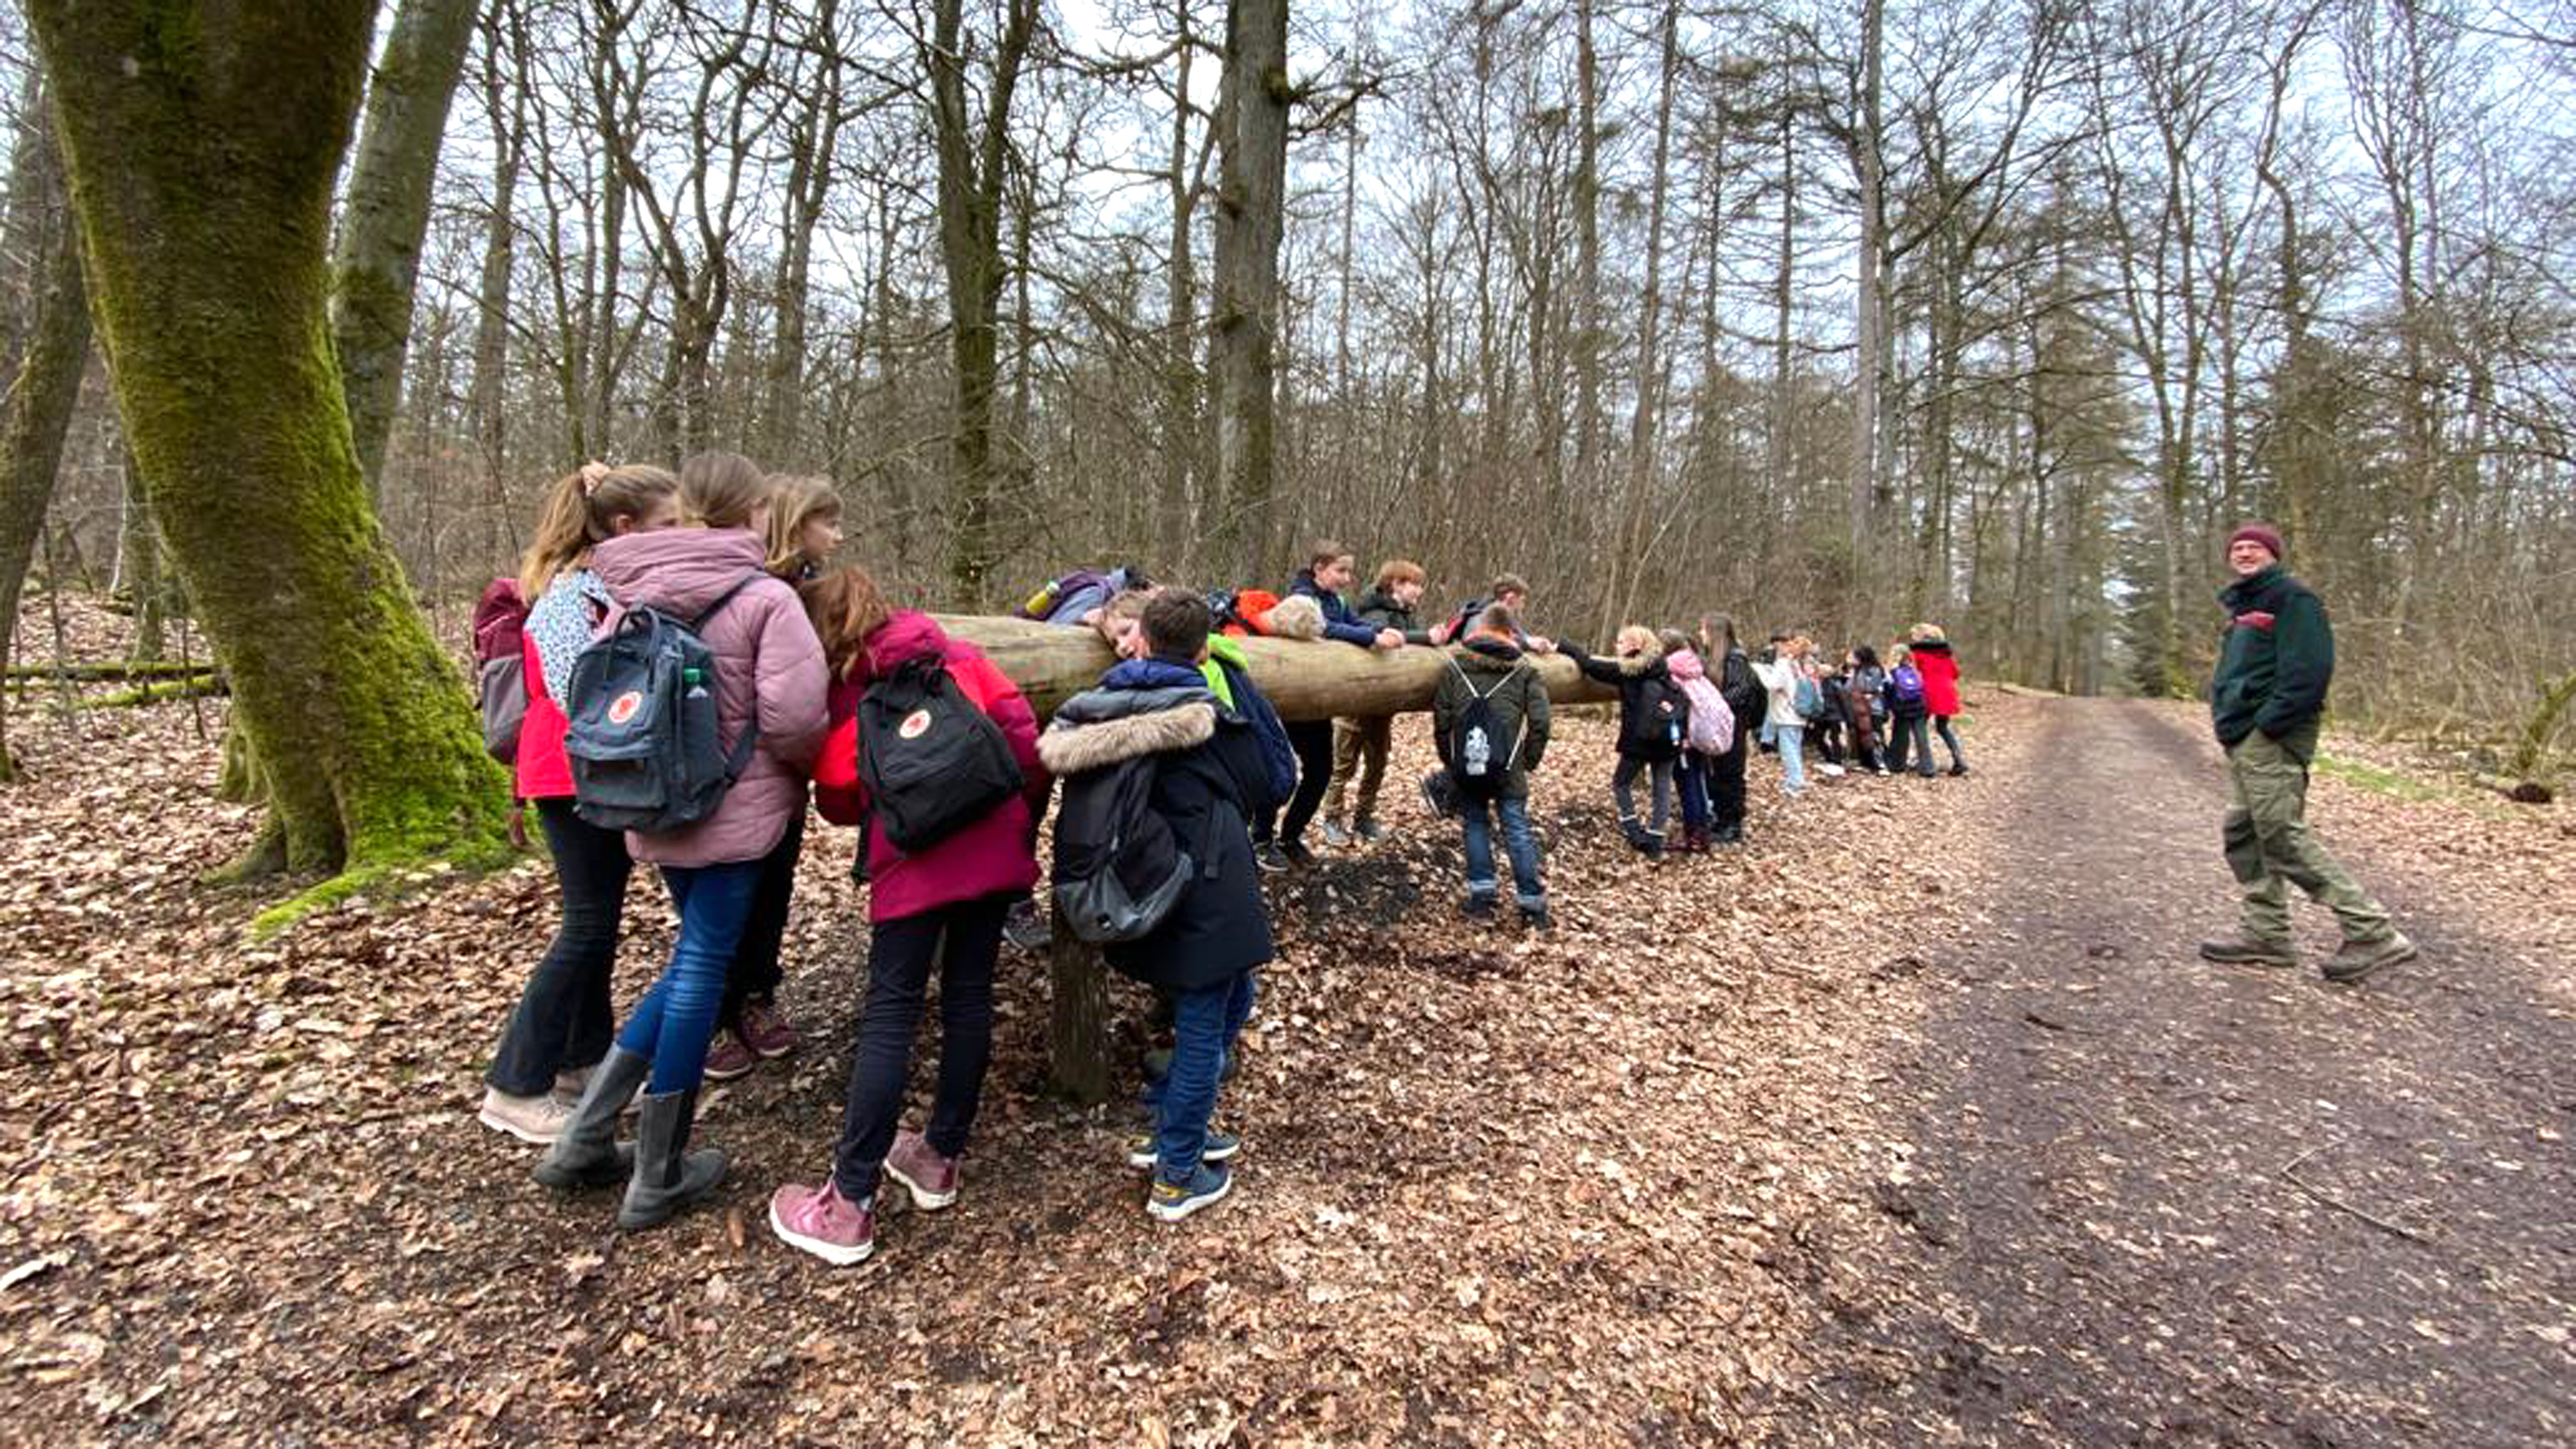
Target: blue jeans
1793,757
1205,1023
1517,843
676,1020
1690,773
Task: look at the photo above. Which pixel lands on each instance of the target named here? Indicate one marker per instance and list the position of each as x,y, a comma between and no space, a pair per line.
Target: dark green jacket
1512,691
1379,610
2276,662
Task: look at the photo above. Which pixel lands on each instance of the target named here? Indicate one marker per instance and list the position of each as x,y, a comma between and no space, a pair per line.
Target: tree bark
1251,213
973,150
376,265
202,146
1303,679
1869,289
40,401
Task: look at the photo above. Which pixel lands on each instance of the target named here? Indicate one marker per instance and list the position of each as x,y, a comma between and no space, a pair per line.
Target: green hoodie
1223,649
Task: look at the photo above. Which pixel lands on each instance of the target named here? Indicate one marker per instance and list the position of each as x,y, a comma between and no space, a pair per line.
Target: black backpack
932,761
1481,752
641,733
1119,869
1661,720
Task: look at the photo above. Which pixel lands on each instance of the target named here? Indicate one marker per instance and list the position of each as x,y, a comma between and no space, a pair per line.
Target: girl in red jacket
956,890
561,1027
1940,670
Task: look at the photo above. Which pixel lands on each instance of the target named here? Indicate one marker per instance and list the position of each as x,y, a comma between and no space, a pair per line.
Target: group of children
823,689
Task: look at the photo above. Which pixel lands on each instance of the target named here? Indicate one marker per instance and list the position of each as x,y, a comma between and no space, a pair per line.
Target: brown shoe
2247,951
2358,959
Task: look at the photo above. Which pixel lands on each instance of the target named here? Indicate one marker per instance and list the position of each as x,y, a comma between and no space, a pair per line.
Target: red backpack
500,665
1243,612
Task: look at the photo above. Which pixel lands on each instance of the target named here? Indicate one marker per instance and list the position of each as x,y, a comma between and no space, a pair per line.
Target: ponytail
721,490
582,510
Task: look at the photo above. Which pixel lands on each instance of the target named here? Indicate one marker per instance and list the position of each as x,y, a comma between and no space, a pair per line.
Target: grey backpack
642,715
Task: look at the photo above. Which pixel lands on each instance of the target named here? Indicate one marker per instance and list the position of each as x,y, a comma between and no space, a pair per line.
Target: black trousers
563,1018
1312,739
1726,787
900,955
756,967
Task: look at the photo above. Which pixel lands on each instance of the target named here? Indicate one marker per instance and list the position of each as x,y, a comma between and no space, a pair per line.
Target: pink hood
769,667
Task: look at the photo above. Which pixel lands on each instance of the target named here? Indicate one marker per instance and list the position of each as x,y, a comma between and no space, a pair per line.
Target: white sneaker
1830,771
538,1119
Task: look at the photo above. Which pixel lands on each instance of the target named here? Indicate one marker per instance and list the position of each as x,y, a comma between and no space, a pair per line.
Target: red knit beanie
2262,533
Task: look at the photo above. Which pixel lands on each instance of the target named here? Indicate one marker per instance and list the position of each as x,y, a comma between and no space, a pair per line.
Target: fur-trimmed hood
1296,617
1072,748
1633,665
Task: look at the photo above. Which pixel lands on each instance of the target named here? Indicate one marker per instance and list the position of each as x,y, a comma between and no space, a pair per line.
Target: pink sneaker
729,1058
823,1223
929,1177
763,1030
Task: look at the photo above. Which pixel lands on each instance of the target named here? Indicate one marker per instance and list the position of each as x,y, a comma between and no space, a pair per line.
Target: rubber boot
586,1153
668,1176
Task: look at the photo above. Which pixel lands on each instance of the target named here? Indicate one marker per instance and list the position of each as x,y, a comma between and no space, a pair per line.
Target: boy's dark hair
1176,625
1509,584
1867,656
1497,619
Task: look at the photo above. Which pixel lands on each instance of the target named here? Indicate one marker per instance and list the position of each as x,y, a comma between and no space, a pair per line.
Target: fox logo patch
2256,620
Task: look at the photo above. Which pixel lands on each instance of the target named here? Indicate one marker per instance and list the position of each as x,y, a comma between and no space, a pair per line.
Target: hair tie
593,473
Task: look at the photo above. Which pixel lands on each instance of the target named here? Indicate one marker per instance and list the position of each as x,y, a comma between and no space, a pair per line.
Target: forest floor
1915,1121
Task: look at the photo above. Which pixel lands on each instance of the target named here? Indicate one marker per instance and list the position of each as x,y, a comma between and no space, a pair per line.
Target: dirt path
2158,1202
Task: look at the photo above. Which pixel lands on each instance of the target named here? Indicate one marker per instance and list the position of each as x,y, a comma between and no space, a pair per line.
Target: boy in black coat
1212,778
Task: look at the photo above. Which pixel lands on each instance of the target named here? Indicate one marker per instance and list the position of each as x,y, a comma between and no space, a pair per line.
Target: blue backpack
642,715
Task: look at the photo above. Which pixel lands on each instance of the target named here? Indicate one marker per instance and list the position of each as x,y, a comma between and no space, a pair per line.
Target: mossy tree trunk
376,265
201,142
38,410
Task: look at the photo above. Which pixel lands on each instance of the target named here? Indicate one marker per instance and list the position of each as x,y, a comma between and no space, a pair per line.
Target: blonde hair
794,502
1398,571
1928,634
847,607
1126,604
721,490
1634,639
581,510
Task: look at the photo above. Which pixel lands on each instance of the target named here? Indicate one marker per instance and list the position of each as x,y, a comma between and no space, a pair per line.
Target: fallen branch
127,669
196,687
2289,1172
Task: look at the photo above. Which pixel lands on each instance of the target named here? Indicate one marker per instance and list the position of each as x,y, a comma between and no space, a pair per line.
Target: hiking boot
668,1176
1633,832
763,1030
929,1177
586,1152
1653,845
2247,951
569,1083
1477,908
2358,959
1535,918
538,1119
1221,1146
822,1222
1369,830
1958,770
1169,1202
1335,836
1025,928
1297,854
730,1058
1269,856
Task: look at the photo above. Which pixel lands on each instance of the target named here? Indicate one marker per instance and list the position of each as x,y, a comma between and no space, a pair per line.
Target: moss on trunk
202,143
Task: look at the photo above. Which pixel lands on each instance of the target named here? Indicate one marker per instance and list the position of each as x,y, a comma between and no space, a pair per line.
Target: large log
1304,679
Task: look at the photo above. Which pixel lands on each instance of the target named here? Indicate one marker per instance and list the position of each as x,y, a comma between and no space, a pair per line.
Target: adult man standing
2266,700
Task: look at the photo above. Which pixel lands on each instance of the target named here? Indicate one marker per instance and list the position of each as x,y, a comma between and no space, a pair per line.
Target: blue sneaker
1220,1146
1170,1202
